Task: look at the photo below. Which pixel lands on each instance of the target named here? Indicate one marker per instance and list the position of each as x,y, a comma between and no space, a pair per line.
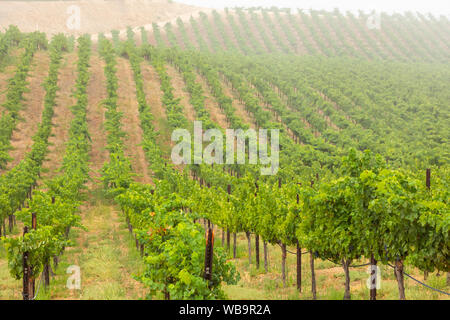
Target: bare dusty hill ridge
95,15
149,26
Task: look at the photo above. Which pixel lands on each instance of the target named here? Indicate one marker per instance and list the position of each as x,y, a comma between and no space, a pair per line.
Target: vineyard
358,208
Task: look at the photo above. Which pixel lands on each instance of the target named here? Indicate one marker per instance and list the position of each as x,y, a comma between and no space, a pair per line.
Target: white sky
436,7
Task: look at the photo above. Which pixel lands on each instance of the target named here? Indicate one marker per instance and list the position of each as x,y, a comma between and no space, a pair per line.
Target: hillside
399,37
85,141
95,15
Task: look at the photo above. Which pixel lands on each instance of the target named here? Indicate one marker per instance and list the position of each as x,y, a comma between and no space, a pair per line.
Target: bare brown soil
164,36
190,33
8,72
5,75
280,32
217,32
181,92
229,30
31,114
253,30
332,32
352,34
411,41
381,39
300,47
212,106
336,106
264,30
321,37
386,33
238,106
284,98
95,15
202,31
154,94
151,37
128,104
62,116
179,37
298,20
328,120
96,115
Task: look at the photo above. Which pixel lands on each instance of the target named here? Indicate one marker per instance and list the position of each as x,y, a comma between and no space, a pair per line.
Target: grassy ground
256,284
107,257
105,253
9,287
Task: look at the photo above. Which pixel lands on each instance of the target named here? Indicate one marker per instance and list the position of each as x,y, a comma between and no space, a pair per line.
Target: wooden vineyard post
31,279
228,230
266,258
33,221
283,263
428,184
257,237
373,275
257,251
26,272
47,274
28,281
46,271
234,245
299,267
311,262
55,262
209,254
283,252
313,276
299,260
10,223
2,223
400,278
249,244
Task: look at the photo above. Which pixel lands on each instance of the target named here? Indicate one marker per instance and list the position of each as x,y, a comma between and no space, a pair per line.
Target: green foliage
41,244
55,209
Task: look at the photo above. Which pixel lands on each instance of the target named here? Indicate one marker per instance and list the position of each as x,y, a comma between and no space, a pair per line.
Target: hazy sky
432,6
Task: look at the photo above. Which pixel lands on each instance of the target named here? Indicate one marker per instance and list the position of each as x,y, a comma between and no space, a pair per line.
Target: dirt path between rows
212,106
180,92
104,251
63,116
31,114
105,254
238,105
128,104
154,94
7,72
96,116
